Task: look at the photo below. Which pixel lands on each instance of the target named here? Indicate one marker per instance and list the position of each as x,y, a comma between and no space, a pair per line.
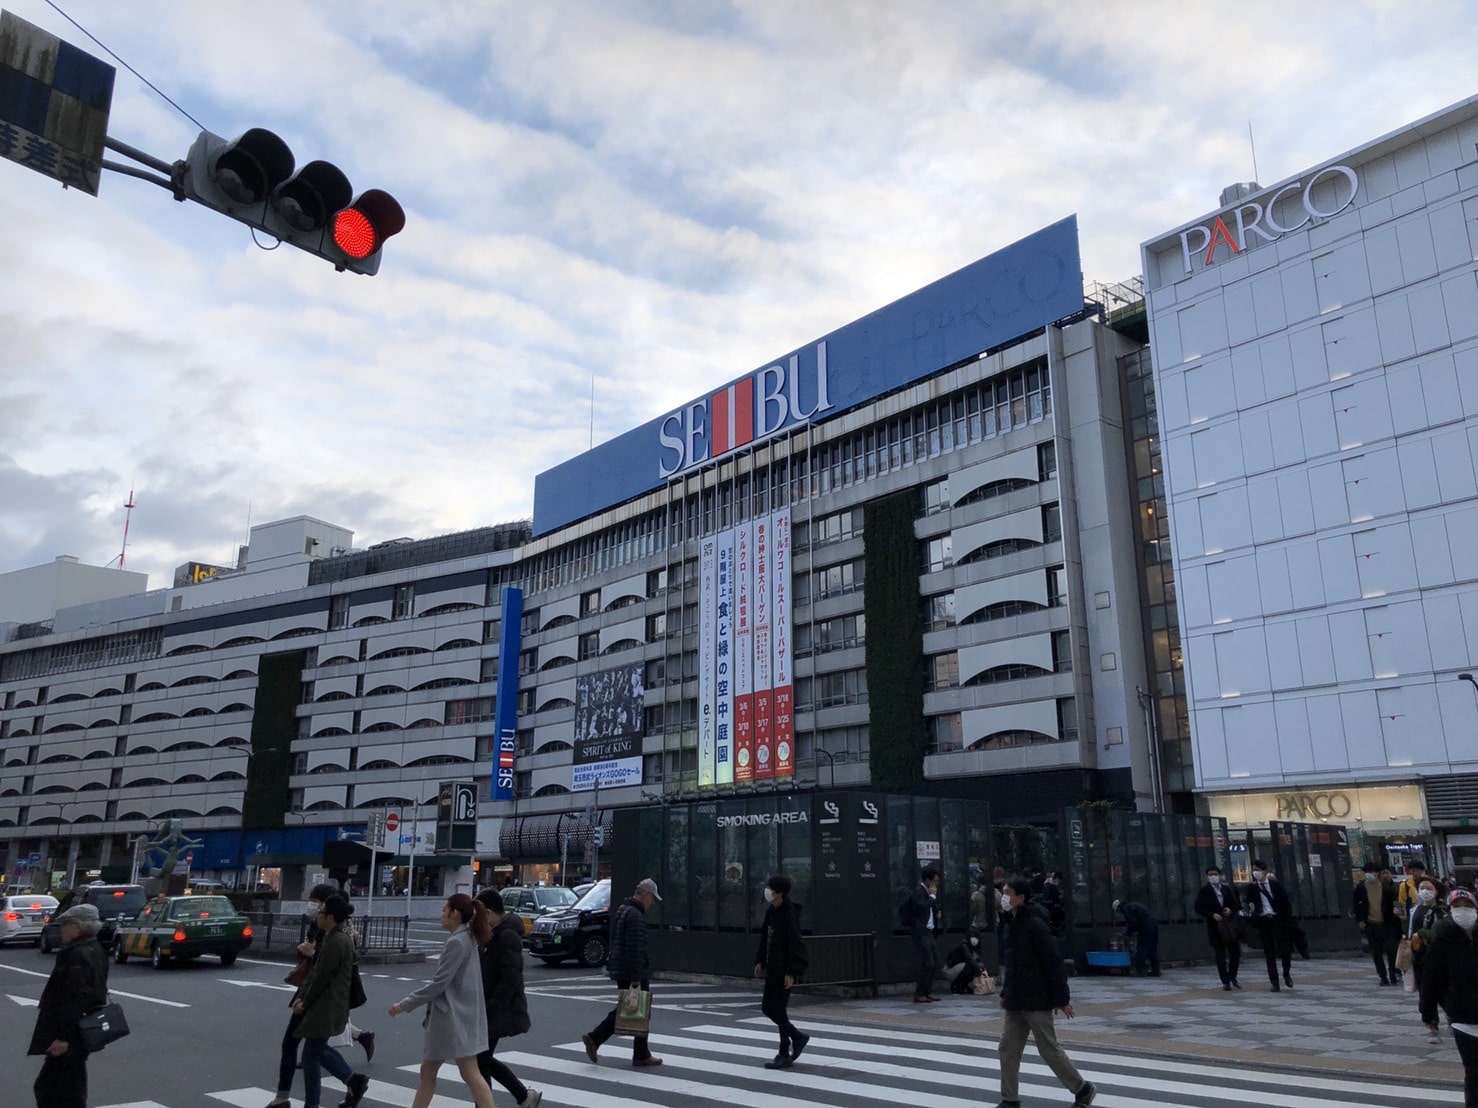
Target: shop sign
1335,805
1270,222
762,819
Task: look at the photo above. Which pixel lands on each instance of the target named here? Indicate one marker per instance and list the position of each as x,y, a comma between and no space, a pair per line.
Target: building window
476,710
1062,652
945,670
528,661
589,645
1047,461
939,553
404,602
946,733
656,675
590,602
1051,523
934,497
656,582
1056,587
939,612
338,612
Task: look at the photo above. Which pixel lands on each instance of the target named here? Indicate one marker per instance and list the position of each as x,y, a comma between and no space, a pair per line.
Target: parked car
580,931
22,915
531,902
115,904
181,928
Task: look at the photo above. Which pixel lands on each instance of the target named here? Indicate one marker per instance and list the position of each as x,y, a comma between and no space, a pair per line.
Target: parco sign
1292,207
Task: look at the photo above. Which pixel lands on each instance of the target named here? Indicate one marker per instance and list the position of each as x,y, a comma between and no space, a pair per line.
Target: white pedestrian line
111,991
258,985
136,1104
24,1001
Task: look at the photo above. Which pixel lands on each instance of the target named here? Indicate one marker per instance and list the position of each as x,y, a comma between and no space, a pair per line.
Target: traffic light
252,179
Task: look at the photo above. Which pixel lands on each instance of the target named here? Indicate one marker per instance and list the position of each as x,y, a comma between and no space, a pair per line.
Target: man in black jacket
1450,979
627,963
1272,912
78,984
502,993
1374,905
923,926
1036,984
780,960
1141,925
1217,904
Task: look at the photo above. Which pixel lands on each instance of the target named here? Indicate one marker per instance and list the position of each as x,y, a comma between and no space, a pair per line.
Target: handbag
1228,928
983,984
299,973
357,999
633,1011
1403,955
102,1026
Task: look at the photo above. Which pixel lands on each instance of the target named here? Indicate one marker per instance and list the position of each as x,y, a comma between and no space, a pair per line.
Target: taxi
182,927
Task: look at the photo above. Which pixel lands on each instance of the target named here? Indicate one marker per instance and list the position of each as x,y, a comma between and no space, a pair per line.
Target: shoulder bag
633,1011
357,998
299,973
102,1026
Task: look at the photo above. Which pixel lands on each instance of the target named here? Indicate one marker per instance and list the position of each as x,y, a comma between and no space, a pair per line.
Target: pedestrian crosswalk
721,1063
597,988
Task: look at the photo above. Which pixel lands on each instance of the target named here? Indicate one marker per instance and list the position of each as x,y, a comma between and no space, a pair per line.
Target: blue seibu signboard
1010,293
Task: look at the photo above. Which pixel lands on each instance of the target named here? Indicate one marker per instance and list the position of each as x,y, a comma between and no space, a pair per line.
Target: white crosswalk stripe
687,996
863,1065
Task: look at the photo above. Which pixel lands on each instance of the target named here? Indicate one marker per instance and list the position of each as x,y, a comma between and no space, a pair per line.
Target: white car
22,914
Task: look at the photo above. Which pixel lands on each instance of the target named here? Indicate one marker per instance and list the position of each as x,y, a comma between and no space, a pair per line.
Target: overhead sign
1289,209
54,104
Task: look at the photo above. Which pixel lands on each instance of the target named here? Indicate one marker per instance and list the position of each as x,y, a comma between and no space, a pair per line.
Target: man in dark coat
780,960
502,992
1450,980
78,984
1272,913
1374,906
1140,924
1036,985
628,964
1218,905
923,926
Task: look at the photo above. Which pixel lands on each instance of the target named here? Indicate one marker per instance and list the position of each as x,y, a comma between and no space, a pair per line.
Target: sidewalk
1337,1019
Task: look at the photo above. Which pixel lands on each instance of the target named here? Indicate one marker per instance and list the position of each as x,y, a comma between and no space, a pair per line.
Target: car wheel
592,951
157,958
42,945
119,954
228,958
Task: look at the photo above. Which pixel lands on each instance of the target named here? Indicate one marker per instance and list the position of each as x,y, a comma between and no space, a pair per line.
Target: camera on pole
252,180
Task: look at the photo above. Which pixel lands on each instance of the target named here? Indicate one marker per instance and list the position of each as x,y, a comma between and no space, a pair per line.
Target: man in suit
923,928
1272,912
1217,904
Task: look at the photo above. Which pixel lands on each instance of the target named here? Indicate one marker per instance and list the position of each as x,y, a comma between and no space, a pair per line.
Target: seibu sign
1289,209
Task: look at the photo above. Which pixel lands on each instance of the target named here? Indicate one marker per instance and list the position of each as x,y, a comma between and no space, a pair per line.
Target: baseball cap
647,885
79,913
1461,894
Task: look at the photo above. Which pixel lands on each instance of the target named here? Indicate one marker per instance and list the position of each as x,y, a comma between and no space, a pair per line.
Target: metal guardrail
840,960
375,932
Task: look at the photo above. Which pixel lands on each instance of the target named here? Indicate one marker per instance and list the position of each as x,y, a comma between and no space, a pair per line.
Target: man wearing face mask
1375,914
1217,904
781,959
1272,912
1450,981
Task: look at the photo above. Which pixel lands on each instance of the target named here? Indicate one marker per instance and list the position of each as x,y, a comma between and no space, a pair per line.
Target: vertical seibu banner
746,726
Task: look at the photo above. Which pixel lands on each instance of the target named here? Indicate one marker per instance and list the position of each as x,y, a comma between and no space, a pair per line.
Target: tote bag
633,1011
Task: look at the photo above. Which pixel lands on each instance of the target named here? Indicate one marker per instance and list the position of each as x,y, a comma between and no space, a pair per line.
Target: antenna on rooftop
1252,144
127,518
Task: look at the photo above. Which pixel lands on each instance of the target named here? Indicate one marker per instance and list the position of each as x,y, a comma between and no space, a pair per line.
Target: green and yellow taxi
182,927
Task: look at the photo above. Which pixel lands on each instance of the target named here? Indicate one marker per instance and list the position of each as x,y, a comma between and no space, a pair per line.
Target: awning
540,838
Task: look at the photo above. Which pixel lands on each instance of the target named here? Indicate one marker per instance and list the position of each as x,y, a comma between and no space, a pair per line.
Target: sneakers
649,1060
532,1100
358,1085
798,1044
780,1062
367,1040
590,1046
1085,1095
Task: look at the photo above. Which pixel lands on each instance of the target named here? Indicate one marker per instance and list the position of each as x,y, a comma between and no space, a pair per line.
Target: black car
580,931
114,903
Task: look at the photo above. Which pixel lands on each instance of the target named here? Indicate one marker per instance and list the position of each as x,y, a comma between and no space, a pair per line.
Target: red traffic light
362,228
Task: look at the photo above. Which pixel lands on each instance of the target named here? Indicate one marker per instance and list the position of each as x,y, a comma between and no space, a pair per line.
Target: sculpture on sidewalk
167,849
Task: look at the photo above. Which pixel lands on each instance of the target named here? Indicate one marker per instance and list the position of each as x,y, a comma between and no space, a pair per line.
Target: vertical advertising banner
744,653
505,716
782,698
724,680
764,737
707,662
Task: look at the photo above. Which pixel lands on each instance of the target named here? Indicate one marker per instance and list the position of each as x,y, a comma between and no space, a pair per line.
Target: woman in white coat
456,1018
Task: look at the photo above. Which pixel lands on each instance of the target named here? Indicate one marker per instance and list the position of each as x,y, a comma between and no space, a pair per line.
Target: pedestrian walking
1036,986
322,1007
1375,915
923,928
1003,921
1218,905
352,1033
780,960
627,964
1140,925
456,1017
1450,981
1272,913
1421,924
1406,899
78,984
1052,901
502,992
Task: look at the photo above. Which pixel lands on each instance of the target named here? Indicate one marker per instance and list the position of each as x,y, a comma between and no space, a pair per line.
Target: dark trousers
928,952
607,1027
1147,951
1384,938
289,1062
494,1070
319,1056
1467,1050
62,1082
775,1006
1277,945
1228,958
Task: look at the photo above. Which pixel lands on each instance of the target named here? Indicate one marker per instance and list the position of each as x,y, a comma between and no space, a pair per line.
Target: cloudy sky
632,200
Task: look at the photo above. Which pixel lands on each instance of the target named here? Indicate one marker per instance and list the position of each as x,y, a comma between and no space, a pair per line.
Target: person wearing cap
1375,915
1272,912
78,984
1140,923
1450,981
628,964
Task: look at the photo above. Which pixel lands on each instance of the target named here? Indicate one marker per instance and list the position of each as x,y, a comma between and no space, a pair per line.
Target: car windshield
553,896
596,899
201,907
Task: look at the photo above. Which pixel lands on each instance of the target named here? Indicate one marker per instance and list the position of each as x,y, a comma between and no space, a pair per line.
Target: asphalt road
208,1036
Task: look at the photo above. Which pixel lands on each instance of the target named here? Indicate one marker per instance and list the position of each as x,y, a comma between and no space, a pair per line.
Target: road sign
392,822
54,104
35,858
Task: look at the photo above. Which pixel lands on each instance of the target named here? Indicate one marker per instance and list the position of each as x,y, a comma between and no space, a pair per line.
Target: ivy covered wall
896,671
